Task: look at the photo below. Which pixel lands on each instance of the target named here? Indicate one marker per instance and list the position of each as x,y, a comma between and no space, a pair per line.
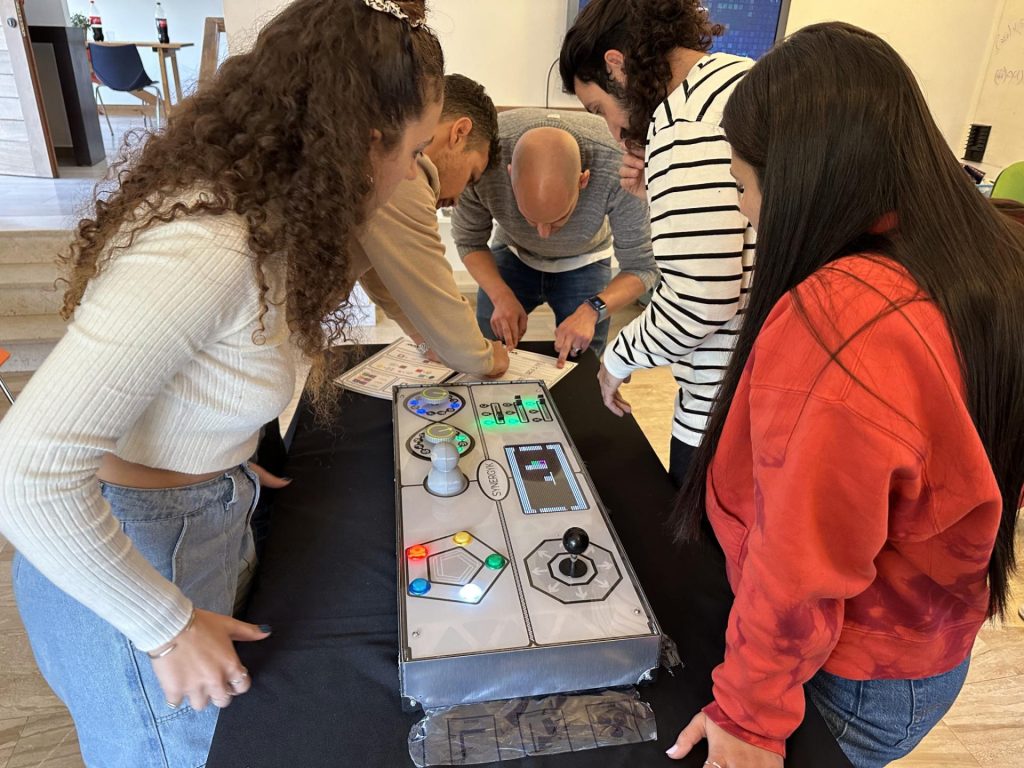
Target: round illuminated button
419,587
440,433
434,395
417,552
495,561
471,593
462,538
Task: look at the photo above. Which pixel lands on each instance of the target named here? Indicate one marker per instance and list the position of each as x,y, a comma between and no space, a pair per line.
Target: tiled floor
27,203
984,728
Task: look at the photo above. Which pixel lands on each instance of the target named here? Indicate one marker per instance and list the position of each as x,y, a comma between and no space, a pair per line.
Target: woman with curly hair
222,244
644,66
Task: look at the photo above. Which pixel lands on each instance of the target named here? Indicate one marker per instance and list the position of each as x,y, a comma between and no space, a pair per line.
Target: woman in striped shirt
643,66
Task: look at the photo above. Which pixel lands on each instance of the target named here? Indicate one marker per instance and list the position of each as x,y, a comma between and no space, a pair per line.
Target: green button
495,561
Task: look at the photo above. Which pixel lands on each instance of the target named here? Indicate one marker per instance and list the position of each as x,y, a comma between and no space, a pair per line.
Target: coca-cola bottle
161,25
95,22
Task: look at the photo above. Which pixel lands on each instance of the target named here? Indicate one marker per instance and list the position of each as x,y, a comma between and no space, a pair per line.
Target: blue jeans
563,291
197,536
878,721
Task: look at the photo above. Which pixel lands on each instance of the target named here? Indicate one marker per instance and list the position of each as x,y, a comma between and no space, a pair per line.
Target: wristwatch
599,306
423,348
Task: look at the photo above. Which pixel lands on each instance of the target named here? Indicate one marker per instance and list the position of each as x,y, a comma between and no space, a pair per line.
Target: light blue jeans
562,291
878,721
197,536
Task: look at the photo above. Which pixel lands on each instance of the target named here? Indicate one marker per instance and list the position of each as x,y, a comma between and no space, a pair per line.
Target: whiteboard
1001,100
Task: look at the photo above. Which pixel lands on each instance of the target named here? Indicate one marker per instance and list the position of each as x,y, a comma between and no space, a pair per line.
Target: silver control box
492,602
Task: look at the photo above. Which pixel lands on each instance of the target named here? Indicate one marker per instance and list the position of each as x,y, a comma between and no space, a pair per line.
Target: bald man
561,216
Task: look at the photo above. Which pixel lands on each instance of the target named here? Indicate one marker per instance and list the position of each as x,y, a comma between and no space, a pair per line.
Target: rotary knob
434,396
440,433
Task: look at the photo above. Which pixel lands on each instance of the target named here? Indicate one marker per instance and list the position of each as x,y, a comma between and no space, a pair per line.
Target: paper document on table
523,365
398,363
401,363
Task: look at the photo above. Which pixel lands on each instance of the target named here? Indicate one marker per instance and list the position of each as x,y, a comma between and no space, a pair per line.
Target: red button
417,552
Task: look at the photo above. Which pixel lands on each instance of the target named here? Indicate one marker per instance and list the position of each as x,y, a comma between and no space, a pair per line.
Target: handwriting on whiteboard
1008,76
1011,30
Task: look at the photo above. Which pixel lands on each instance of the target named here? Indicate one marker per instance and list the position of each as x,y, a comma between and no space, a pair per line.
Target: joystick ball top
575,541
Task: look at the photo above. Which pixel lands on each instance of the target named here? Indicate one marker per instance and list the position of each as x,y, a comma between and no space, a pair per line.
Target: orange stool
4,356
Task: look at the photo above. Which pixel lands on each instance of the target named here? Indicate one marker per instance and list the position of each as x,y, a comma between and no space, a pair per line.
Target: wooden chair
211,47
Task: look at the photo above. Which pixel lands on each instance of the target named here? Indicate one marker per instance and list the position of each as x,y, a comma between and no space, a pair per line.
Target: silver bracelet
173,644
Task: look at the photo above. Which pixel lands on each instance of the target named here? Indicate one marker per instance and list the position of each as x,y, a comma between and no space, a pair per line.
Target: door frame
26,81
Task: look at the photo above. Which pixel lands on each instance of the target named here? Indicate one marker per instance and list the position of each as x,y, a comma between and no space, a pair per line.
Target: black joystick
575,541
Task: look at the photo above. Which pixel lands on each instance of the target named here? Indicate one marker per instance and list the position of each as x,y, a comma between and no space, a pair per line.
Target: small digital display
544,479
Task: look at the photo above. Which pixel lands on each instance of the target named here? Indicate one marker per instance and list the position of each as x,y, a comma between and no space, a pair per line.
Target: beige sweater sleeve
412,281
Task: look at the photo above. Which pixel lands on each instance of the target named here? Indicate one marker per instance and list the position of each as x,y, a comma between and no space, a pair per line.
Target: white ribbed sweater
160,368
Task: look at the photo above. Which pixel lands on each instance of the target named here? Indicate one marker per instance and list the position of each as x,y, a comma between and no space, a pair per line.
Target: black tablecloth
325,684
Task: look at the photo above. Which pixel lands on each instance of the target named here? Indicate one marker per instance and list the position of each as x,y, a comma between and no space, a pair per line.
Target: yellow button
462,538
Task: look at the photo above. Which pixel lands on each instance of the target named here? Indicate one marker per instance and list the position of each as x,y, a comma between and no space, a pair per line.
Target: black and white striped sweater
703,246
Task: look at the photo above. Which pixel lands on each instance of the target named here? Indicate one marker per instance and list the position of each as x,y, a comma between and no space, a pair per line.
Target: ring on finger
171,704
712,763
239,680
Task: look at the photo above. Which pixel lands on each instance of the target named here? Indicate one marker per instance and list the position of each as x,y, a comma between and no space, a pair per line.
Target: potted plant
80,20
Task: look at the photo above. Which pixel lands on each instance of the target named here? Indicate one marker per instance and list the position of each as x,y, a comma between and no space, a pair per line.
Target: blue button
421,411
456,405
419,587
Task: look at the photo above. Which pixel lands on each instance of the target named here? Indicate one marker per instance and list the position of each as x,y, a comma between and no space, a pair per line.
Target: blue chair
119,68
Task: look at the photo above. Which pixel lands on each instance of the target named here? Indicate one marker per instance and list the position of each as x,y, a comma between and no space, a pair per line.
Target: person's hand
500,357
203,666
610,392
724,749
268,479
631,174
508,321
575,333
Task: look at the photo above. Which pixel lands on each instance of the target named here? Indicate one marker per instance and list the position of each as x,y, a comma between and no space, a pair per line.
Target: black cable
547,85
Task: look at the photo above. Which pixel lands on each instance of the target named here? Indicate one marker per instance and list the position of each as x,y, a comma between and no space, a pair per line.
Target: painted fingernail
671,751
265,628
286,479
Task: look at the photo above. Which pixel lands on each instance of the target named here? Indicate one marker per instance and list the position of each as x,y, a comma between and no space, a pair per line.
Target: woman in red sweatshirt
863,465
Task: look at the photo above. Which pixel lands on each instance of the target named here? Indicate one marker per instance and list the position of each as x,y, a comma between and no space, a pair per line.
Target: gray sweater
606,216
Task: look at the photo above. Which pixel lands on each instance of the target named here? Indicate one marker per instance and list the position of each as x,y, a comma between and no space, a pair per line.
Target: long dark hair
839,135
281,137
646,32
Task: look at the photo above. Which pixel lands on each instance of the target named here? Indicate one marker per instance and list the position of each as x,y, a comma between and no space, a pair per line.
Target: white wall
244,18
1001,92
135,20
507,45
47,13
945,42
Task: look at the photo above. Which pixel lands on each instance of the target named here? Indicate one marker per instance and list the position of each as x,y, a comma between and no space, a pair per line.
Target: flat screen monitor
752,26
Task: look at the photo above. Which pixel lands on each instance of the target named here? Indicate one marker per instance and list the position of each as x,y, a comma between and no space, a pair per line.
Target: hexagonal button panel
459,568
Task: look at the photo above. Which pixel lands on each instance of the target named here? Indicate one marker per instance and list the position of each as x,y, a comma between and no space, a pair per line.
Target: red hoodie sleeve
822,479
